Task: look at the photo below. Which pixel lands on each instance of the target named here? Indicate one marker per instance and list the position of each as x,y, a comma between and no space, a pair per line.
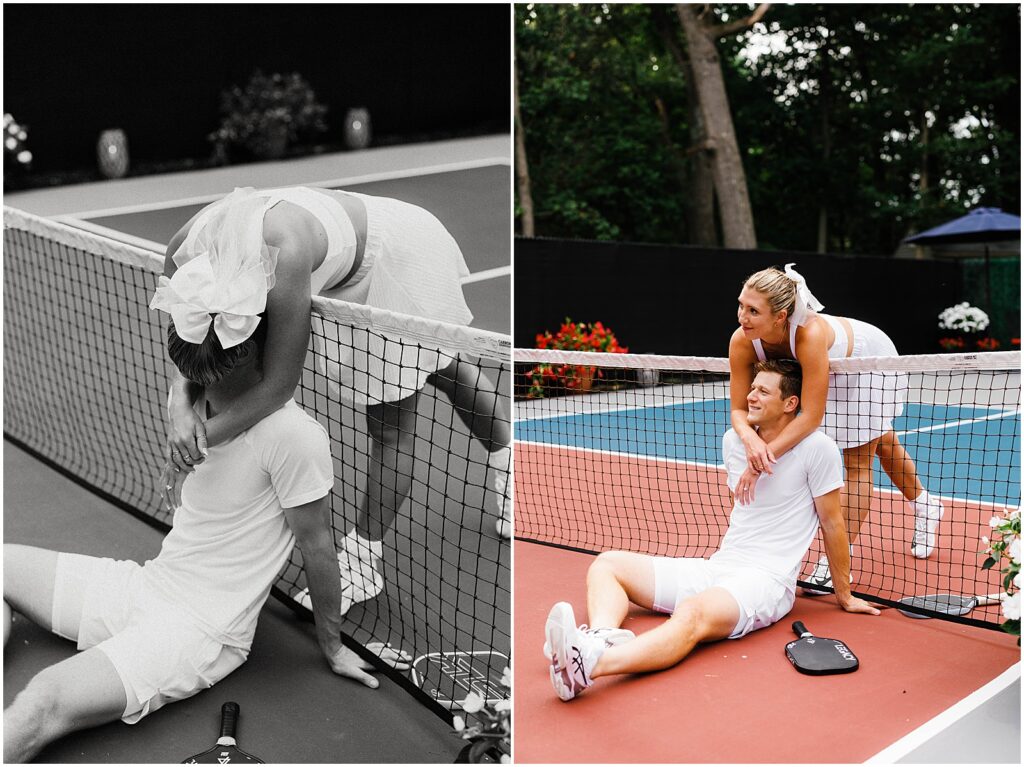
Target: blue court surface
982,443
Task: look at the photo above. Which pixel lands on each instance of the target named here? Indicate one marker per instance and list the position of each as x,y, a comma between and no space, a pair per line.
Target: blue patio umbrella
982,226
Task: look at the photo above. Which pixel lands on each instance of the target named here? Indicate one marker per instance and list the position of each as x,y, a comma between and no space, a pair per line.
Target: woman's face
754,314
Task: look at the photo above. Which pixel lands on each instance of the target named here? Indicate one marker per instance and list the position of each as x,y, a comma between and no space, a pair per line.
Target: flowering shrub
492,735
268,115
964,318
1005,545
987,344
571,336
16,154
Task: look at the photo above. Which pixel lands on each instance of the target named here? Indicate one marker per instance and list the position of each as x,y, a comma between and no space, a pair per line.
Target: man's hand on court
857,605
346,663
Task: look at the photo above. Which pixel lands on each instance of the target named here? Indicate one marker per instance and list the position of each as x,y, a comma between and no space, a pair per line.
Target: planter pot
112,153
357,128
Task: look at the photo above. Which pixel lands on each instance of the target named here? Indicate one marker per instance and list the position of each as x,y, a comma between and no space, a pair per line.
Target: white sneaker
820,577
573,652
360,574
926,527
610,637
306,601
498,465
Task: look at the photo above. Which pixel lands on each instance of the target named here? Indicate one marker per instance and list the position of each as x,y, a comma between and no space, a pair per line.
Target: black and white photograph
257,383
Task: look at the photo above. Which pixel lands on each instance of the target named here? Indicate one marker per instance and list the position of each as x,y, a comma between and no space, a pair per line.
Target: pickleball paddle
949,604
818,655
226,750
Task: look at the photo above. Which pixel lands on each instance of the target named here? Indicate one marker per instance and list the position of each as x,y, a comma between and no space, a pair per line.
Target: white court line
113,234
946,719
619,454
953,424
367,178
487,274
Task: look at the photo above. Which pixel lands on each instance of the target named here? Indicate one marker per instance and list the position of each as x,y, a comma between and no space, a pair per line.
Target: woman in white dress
362,249
779,318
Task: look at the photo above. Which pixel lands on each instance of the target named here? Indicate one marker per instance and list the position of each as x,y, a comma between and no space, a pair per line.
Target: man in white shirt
163,631
749,583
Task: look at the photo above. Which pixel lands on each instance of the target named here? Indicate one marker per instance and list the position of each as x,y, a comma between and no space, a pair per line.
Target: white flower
1011,606
1016,581
994,522
963,317
505,759
473,703
503,705
459,724
1014,551
11,143
984,539
25,157
506,677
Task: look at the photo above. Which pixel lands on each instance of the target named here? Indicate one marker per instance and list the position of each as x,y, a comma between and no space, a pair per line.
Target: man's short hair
207,363
791,377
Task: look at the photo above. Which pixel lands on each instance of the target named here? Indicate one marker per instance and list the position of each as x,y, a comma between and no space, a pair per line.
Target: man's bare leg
80,692
706,617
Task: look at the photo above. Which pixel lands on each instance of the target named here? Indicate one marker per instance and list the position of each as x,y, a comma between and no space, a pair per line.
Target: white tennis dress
860,406
410,264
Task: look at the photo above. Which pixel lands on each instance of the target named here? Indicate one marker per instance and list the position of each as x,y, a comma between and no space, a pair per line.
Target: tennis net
624,451
85,387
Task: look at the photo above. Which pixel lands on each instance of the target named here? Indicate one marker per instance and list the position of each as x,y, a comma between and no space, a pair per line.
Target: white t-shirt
230,538
775,531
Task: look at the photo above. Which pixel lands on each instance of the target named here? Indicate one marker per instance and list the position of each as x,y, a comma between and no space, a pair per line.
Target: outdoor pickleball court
466,582
742,701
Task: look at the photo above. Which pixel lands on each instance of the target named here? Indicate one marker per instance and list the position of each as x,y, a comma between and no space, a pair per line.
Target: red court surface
741,701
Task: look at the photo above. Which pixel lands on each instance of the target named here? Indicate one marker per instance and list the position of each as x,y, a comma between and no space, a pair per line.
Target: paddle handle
800,629
228,723
990,599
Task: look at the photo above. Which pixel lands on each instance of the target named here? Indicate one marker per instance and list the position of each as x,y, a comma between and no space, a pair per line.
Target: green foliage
590,79
858,105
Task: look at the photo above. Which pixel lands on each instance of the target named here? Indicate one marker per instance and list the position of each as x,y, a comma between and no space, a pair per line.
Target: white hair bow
225,271
806,303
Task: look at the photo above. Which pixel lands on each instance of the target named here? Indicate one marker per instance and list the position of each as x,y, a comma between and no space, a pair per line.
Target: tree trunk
736,216
826,152
700,199
522,169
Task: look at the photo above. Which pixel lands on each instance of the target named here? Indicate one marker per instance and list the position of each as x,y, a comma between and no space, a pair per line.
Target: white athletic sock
363,548
928,504
501,459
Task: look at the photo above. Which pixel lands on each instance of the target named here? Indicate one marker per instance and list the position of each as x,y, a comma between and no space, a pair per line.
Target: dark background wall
157,71
680,300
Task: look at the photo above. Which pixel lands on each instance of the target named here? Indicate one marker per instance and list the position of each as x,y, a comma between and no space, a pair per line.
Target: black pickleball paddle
949,604
819,655
226,750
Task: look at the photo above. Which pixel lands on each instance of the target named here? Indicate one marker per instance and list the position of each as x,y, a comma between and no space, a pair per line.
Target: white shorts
159,652
762,599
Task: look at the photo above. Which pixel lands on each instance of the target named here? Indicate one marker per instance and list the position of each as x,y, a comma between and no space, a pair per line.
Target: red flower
987,344
951,344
